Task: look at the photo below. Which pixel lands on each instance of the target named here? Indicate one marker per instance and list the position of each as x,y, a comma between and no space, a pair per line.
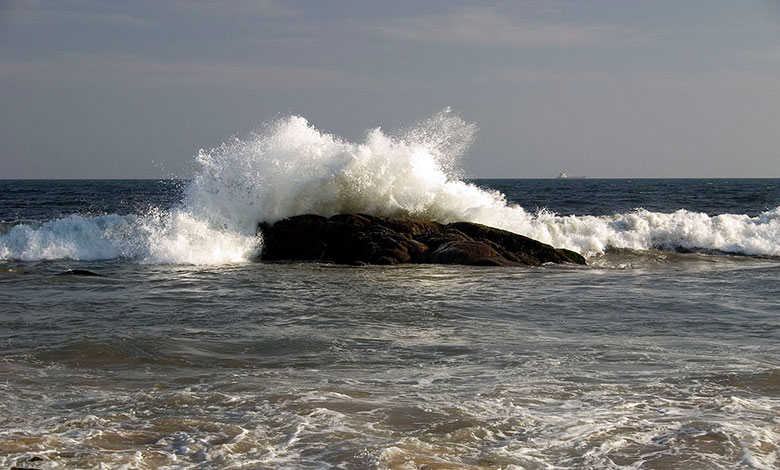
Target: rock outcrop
365,239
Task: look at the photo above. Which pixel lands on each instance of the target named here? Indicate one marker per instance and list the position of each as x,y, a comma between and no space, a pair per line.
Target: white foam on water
520,423
290,168
173,237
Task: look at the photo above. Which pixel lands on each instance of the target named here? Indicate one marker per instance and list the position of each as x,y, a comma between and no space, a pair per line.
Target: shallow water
671,364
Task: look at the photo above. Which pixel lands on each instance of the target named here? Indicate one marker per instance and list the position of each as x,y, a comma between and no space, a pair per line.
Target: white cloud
75,11
111,70
765,55
236,9
505,74
485,26
147,13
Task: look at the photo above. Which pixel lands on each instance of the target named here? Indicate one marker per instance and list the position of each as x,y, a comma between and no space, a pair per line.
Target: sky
597,88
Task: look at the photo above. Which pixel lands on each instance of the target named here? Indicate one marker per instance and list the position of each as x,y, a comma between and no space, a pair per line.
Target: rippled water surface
134,333
673,362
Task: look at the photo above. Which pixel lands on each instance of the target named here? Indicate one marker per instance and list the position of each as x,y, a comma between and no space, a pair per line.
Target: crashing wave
291,168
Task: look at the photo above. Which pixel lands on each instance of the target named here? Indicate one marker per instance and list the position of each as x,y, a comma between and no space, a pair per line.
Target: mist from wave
289,167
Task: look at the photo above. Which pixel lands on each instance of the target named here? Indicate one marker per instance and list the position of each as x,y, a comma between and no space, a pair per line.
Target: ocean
137,331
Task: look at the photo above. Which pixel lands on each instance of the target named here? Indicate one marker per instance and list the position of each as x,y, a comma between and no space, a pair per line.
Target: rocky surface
364,239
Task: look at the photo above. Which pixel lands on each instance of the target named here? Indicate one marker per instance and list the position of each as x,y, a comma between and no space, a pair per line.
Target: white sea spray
289,168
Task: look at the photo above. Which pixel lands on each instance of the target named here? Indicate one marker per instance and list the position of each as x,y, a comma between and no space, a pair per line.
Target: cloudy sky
628,88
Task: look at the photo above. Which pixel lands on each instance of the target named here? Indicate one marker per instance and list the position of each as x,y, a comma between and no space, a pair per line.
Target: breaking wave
159,237
289,168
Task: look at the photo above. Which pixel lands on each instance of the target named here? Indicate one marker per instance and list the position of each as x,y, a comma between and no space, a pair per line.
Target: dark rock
79,272
463,252
359,239
526,250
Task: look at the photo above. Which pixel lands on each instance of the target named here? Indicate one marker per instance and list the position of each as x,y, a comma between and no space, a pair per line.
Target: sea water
183,352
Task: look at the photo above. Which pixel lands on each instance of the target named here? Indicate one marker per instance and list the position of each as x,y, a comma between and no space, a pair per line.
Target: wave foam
645,230
291,168
173,237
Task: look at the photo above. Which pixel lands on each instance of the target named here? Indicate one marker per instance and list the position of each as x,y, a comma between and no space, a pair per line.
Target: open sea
180,351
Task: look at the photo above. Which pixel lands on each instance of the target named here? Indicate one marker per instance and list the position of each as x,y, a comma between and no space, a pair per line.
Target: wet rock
359,239
79,272
464,252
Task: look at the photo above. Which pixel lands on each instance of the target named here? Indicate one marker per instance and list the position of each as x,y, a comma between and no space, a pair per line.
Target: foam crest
645,230
292,168
160,237
73,237
289,168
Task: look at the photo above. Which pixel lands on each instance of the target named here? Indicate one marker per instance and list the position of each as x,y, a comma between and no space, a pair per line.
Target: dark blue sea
184,352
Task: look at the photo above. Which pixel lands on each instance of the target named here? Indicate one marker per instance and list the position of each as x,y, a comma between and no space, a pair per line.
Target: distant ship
564,175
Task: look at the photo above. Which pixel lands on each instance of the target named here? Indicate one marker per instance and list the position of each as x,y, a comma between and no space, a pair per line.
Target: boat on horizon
564,175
